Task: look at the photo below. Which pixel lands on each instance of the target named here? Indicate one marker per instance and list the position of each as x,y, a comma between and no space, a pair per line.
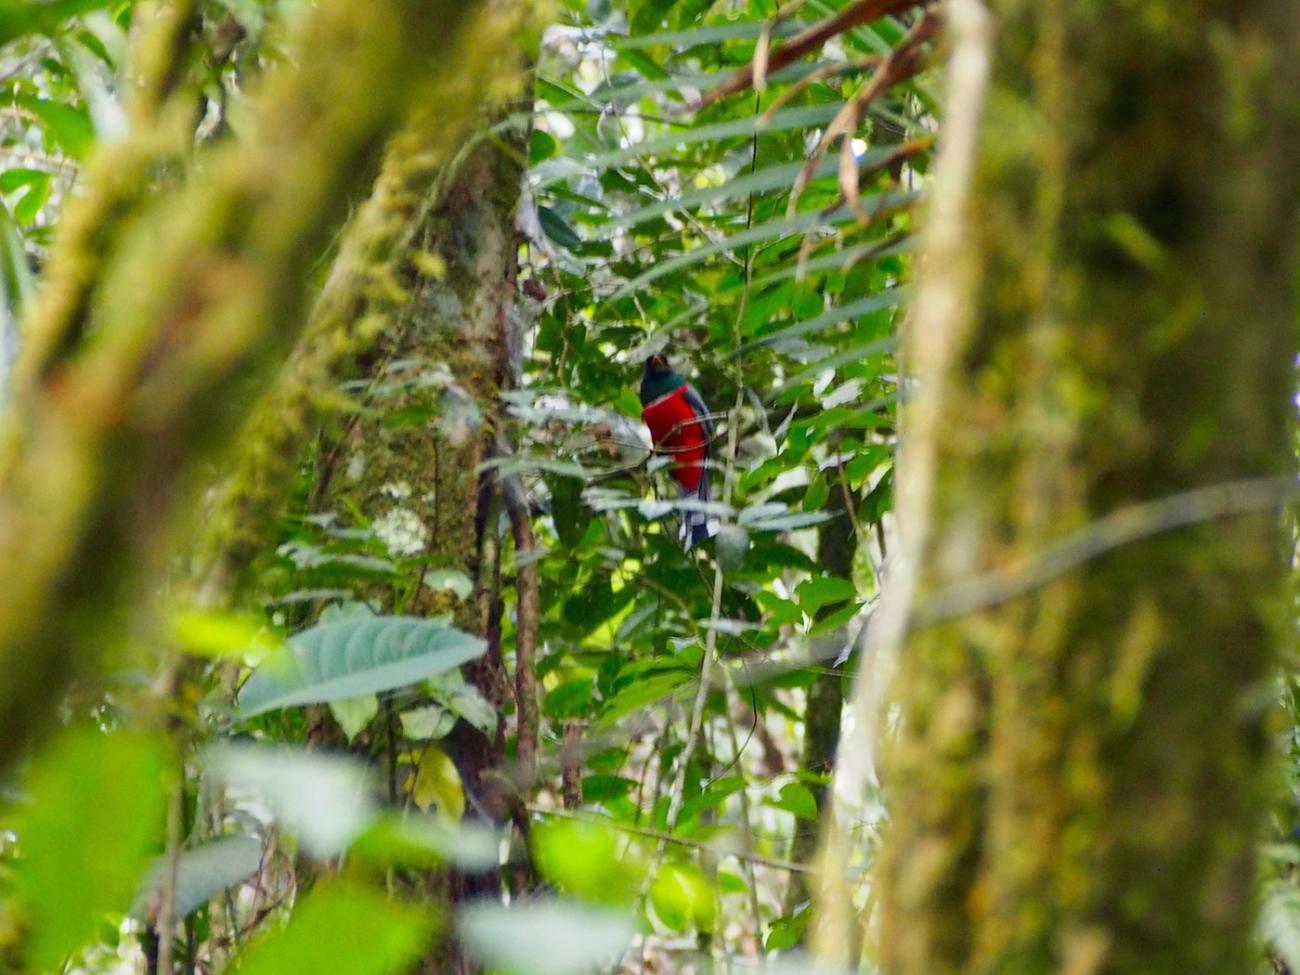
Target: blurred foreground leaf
544,937
326,800
96,816
342,929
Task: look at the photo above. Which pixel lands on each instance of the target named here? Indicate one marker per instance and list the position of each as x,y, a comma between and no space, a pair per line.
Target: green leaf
786,932
556,229
358,655
541,146
544,937
201,874
93,824
427,841
342,928
683,897
588,858
354,713
739,30
599,788
426,723
637,695
815,593
796,798
68,126
452,580
20,17
855,309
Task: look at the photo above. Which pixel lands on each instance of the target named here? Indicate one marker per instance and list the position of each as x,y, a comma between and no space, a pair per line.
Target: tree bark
1081,770
411,466
130,384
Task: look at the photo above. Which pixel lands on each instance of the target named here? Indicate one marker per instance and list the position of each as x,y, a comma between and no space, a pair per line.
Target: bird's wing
696,403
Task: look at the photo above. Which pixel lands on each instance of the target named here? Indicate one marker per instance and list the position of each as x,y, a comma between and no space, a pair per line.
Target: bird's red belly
680,434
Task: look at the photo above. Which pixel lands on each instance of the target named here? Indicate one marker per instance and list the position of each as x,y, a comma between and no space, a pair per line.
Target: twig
167,904
525,631
903,62
854,15
571,765
1129,524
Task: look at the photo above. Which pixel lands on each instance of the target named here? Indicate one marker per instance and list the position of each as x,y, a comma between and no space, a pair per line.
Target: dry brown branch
903,63
854,15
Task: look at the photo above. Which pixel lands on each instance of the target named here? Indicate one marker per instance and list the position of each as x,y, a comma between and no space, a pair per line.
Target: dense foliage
269,775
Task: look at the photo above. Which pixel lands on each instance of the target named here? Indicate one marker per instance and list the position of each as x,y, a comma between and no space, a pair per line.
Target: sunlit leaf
358,655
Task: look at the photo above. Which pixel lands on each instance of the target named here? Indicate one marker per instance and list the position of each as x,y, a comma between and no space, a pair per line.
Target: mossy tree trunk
410,467
161,320
1081,770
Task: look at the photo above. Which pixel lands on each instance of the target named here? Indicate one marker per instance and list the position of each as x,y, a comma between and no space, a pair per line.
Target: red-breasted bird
680,428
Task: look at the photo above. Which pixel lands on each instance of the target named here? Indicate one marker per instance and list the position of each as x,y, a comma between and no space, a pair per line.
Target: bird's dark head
658,378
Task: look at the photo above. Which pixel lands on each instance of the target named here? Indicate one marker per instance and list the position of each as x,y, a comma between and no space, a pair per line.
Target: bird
680,427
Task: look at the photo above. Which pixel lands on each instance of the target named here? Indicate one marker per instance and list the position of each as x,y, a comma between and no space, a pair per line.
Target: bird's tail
698,526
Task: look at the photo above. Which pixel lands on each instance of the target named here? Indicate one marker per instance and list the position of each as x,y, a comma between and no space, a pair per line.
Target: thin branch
1129,524
903,63
854,15
526,719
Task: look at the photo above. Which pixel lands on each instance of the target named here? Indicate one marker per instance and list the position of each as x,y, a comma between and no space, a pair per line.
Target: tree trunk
410,467
129,383
823,711
1082,764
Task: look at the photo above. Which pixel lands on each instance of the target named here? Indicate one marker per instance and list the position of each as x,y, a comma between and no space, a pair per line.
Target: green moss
1079,777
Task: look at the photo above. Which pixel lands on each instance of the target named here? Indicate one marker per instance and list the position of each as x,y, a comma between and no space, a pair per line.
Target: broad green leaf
599,788
453,580
556,229
341,928
20,17
216,633
817,592
326,800
637,695
683,898
354,713
201,874
544,937
92,824
797,798
358,655
588,858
